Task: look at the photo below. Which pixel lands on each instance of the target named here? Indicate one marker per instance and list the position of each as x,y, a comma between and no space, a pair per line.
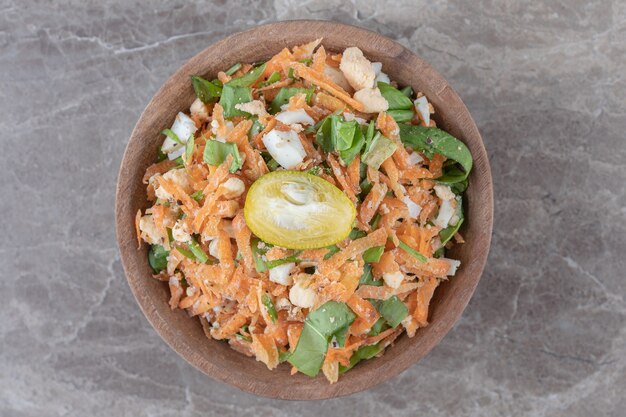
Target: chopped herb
396,99
189,148
242,337
236,67
157,258
275,77
413,252
367,278
407,91
401,116
257,254
206,91
269,305
197,251
249,78
186,253
392,310
215,153
231,96
378,150
170,134
282,261
362,353
283,356
373,254
375,221
284,94
198,196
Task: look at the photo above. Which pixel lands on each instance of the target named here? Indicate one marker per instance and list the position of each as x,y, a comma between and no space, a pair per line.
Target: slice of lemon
297,210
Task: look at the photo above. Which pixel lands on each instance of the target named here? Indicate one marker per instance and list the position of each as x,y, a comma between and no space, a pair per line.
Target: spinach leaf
362,353
324,136
358,140
283,356
392,310
249,78
157,258
368,279
373,254
255,129
274,77
319,327
284,94
431,140
378,327
378,150
206,91
197,251
375,221
231,96
233,69
341,335
401,116
215,152
396,99
269,305
413,252
357,234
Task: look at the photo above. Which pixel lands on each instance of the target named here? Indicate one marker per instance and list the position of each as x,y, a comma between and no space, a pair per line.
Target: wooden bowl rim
304,388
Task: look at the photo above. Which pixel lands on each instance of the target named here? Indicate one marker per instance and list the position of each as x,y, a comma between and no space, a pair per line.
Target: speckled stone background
544,335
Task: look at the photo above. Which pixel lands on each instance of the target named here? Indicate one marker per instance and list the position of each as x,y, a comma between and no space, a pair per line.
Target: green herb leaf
392,310
378,327
283,356
231,96
189,148
446,234
198,196
255,129
368,279
407,91
413,252
269,305
284,94
249,78
401,116
332,249
274,77
197,251
362,353
282,261
378,150
358,141
396,99
373,254
242,337
186,253
357,234
236,67
431,140
170,134
161,155
206,91
319,327
257,253
375,221
215,152
157,258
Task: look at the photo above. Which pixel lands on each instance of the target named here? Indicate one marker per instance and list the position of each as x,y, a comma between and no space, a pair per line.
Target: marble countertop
544,335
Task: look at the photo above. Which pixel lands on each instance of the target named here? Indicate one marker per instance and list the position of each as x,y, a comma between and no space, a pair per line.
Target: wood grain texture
185,335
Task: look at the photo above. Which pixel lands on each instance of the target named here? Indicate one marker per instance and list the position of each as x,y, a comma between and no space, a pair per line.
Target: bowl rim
221,374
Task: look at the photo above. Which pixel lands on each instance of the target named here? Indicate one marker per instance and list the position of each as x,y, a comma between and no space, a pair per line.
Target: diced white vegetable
302,297
183,127
213,248
180,232
337,77
393,279
255,107
454,265
444,192
380,75
446,211
423,109
357,69
176,153
149,231
221,138
415,158
285,147
282,303
199,110
414,208
372,100
350,116
280,274
291,117
176,176
232,188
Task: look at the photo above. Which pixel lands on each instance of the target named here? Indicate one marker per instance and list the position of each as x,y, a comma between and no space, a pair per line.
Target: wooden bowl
185,335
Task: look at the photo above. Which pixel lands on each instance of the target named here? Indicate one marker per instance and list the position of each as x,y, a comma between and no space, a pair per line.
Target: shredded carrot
354,174
319,60
356,247
372,202
158,168
424,295
137,229
341,178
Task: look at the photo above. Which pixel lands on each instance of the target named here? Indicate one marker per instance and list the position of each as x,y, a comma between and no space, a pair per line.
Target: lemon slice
297,210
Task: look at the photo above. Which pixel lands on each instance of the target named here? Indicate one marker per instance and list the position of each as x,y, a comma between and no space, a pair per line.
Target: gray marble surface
544,335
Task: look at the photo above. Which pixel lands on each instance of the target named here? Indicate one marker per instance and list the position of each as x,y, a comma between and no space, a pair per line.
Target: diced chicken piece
357,69
178,177
232,188
285,147
414,208
415,158
199,110
337,77
280,274
380,75
282,303
422,106
291,117
372,100
302,297
446,211
454,265
393,279
149,231
183,128
213,250
444,192
181,232
254,107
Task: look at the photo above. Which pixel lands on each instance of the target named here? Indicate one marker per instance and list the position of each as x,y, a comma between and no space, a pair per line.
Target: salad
303,207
